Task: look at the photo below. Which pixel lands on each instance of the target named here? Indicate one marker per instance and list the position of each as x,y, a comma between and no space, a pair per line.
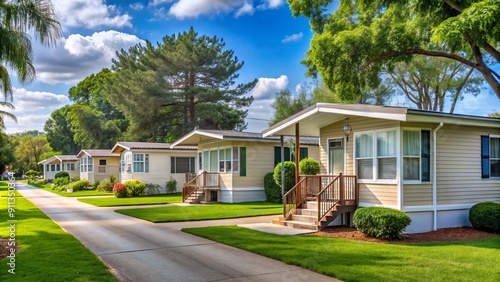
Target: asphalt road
137,250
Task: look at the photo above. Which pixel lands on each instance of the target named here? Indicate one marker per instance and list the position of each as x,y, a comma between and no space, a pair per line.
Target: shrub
113,179
308,166
75,179
79,185
380,222
96,184
485,216
152,189
171,185
61,174
105,185
135,187
120,190
61,181
289,175
41,182
32,174
272,190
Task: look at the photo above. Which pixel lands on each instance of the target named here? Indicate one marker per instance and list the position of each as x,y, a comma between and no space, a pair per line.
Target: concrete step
309,212
304,218
300,224
311,205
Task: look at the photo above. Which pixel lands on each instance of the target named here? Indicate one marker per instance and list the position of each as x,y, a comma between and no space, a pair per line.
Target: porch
317,200
201,188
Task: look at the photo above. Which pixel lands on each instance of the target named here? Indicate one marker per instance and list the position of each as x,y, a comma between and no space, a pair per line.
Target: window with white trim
220,159
236,159
70,167
141,162
376,154
225,160
126,163
182,164
416,155
490,156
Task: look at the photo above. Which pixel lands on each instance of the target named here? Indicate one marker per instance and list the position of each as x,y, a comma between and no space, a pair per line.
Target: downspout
434,173
282,168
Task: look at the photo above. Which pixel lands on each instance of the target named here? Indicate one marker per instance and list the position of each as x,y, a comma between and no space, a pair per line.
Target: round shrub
96,184
61,174
381,222
135,187
289,175
272,190
79,185
308,166
105,185
120,190
59,182
485,216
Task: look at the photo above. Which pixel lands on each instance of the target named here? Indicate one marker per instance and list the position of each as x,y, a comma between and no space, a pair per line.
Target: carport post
282,168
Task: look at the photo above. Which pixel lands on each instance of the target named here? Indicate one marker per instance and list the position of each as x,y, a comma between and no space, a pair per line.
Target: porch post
297,152
282,168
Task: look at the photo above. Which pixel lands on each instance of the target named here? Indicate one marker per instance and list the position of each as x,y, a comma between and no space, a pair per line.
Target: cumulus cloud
266,88
26,122
246,9
31,101
270,4
182,9
293,37
159,2
136,6
79,56
90,14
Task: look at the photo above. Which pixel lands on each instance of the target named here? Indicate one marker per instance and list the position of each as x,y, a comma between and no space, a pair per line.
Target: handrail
292,198
329,196
190,187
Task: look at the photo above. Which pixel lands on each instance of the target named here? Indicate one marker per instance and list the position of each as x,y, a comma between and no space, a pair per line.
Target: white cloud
297,88
194,8
79,56
137,6
259,115
32,101
90,14
159,2
270,4
293,37
27,122
246,9
481,105
266,88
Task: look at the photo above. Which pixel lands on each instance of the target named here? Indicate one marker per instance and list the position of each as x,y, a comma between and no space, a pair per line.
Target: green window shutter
172,164
304,153
277,155
243,161
425,155
485,156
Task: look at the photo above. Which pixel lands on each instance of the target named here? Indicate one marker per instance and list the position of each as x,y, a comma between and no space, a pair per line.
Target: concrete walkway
137,250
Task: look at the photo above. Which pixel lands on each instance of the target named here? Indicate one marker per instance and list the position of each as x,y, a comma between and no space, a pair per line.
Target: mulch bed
441,235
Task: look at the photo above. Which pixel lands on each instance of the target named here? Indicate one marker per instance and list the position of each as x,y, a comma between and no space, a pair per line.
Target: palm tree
6,114
19,19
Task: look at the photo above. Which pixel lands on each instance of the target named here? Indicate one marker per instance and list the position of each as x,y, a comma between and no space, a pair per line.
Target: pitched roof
312,119
97,153
120,146
58,159
200,135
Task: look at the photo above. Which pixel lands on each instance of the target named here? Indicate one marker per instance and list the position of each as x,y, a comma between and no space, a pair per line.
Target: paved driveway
137,250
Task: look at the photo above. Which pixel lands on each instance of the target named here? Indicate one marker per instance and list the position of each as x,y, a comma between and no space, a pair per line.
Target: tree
6,152
362,38
6,114
287,104
494,115
19,18
59,134
186,81
29,152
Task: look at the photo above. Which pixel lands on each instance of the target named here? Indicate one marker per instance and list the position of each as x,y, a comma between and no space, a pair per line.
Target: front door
336,156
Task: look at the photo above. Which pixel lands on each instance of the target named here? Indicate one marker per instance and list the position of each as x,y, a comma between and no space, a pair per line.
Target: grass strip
4,190
204,212
133,201
46,253
476,260
82,193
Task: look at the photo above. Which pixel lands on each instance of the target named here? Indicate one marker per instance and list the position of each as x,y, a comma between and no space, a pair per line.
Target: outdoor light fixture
347,130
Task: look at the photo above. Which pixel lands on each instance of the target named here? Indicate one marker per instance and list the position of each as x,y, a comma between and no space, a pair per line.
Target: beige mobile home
155,163
236,163
434,166
53,165
98,164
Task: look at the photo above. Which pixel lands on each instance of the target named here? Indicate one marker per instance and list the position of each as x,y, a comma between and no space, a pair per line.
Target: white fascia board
379,115
452,120
119,145
196,132
290,122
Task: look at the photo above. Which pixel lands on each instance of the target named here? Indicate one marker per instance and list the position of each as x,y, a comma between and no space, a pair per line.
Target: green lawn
47,253
131,201
4,190
83,193
204,212
348,260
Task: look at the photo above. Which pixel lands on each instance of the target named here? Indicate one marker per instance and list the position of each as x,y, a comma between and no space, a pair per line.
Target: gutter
434,173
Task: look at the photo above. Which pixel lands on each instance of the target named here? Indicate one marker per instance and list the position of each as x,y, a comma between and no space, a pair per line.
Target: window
102,162
126,163
289,156
90,164
225,160
376,156
70,167
236,159
182,164
416,155
101,169
490,156
141,162
86,164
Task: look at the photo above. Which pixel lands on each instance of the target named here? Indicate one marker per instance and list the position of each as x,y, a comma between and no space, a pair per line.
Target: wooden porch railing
195,181
327,189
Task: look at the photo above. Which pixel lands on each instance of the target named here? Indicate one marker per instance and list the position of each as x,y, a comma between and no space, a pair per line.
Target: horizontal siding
417,194
459,166
378,194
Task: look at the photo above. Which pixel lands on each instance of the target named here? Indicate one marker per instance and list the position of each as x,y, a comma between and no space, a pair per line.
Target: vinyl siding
459,166
112,168
378,194
417,194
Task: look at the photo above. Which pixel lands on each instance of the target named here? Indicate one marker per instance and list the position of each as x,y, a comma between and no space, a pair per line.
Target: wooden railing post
341,188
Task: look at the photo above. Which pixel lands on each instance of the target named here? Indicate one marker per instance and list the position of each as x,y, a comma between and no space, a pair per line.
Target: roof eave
193,133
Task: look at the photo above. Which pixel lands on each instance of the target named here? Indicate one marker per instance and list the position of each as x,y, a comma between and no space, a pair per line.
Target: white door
336,156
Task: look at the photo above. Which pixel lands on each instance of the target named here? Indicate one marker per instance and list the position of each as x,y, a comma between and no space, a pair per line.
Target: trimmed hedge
381,222
135,187
272,190
289,175
308,166
61,174
79,185
485,216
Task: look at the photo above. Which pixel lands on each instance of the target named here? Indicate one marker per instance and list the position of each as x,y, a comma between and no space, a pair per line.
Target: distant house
53,165
98,164
234,163
154,163
434,166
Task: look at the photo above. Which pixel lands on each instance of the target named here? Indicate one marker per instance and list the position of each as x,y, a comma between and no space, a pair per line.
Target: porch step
311,205
309,212
305,218
300,224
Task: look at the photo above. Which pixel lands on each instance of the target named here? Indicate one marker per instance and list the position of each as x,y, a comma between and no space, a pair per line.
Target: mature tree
186,81
6,114
287,104
6,152
362,38
59,134
29,151
19,19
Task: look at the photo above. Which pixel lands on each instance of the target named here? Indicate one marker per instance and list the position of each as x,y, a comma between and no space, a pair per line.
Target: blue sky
262,33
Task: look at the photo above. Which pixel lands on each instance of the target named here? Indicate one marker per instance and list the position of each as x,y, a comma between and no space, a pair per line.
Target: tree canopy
361,39
185,81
